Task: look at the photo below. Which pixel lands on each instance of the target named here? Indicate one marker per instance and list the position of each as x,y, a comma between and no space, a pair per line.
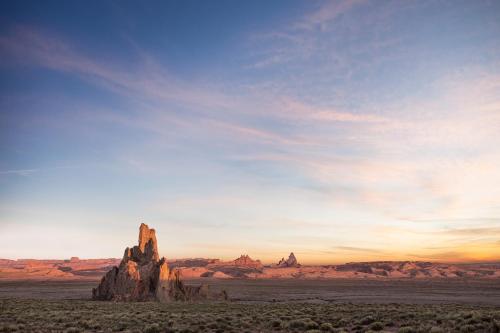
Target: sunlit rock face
148,246
142,276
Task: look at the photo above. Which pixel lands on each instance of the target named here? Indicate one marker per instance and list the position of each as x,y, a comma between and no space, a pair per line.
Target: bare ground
408,291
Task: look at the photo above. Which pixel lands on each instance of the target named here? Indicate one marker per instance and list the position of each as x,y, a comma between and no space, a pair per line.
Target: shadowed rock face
180,292
142,276
290,262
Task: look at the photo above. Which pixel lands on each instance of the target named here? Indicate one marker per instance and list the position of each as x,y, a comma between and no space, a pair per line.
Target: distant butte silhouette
290,262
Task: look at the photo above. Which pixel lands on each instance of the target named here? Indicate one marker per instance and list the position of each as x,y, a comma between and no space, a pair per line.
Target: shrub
120,326
407,329
72,330
342,323
377,326
367,320
276,323
303,324
296,324
326,327
8,328
468,328
153,328
495,327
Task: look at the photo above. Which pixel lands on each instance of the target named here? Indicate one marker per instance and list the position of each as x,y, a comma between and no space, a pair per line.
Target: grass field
88,316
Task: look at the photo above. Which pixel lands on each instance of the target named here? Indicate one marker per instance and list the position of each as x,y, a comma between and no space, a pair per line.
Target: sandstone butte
143,276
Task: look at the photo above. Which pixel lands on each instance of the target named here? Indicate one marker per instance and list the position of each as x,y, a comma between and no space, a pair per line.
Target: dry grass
88,316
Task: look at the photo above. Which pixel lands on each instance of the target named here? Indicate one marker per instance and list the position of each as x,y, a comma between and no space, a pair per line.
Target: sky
339,130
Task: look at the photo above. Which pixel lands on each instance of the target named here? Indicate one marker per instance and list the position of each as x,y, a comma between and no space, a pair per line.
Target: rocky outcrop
142,276
147,243
181,292
245,261
290,262
239,268
196,262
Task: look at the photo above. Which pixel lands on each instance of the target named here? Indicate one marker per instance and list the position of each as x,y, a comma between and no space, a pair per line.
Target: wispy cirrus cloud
146,82
301,111
346,117
319,36
472,232
358,249
20,172
149,82
147,79
327,12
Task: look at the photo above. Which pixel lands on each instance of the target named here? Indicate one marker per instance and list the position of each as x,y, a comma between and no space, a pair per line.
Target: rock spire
142,276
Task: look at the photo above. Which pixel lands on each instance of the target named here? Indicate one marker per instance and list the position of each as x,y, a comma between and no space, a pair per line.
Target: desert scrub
8,328
302,324
60,316
326,327
276,324
367,320
153,328
377,326
407,329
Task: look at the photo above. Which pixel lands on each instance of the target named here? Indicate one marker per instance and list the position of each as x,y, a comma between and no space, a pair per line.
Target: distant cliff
245,267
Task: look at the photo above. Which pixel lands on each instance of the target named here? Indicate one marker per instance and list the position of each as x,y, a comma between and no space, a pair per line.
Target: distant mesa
140,273
290,262
193,262
241,268
143,276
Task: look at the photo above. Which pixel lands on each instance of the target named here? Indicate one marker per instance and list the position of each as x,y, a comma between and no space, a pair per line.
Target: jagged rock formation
142,276
245,261
290,262
178,291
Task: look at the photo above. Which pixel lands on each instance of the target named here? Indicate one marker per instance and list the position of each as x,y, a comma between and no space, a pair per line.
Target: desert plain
143,293
35,298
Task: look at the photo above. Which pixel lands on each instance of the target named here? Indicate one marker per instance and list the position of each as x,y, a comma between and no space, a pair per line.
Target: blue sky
340,130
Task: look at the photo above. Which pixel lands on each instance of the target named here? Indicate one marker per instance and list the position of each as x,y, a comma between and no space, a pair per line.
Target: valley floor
410,291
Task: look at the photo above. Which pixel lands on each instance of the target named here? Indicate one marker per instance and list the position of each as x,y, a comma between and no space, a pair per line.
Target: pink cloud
306,112
328,12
